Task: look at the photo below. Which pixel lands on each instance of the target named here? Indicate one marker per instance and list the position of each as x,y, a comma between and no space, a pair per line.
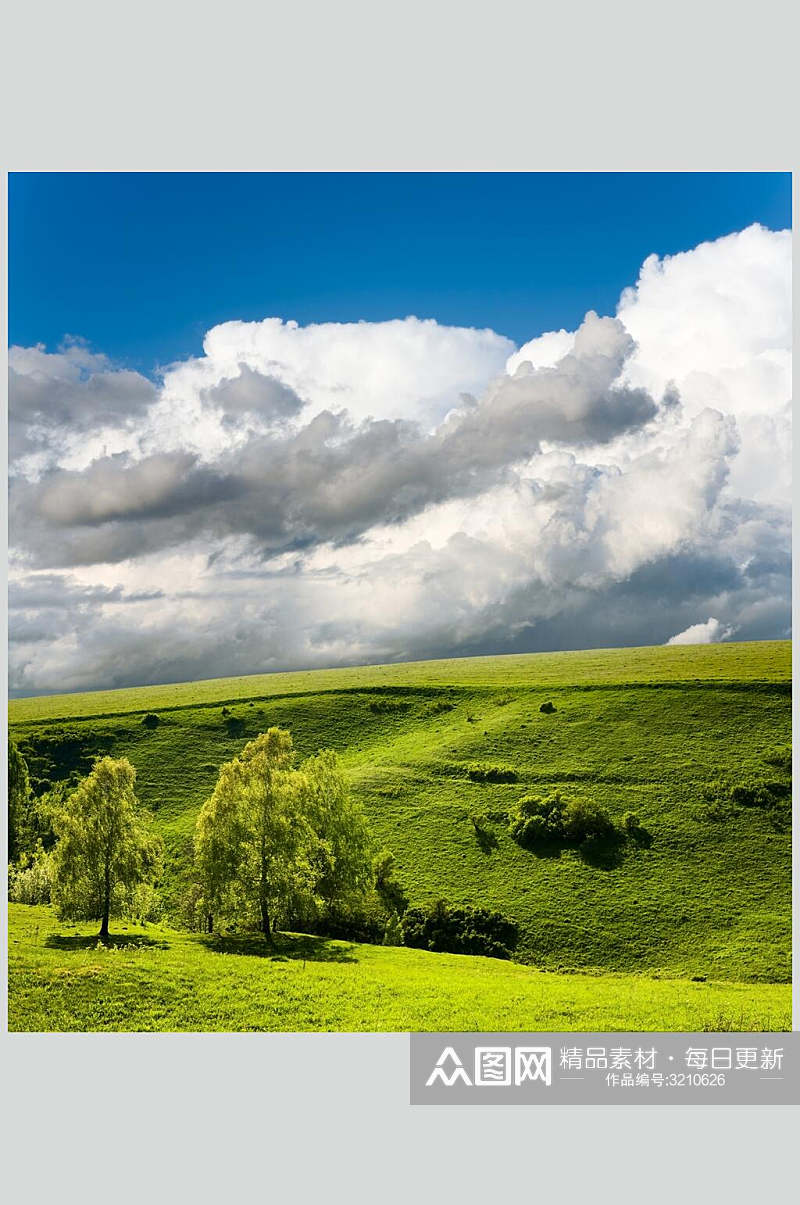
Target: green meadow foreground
159,979
438,752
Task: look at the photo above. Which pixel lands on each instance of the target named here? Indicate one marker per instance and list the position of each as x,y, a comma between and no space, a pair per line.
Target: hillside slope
705,893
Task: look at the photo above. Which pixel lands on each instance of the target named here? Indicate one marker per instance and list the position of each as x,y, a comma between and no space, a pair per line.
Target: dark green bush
547,708
448,930
150,720
586,820
364,921
537,821
749,794
387,706
492,774
552,821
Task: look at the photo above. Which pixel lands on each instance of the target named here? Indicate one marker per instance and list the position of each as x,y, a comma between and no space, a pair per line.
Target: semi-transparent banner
605,1068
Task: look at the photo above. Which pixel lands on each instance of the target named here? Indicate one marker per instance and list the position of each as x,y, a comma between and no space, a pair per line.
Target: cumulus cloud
710,632
345,493
330,479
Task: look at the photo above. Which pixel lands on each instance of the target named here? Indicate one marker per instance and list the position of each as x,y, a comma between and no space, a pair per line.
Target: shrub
547,708
484,836
630,823
586,820
150,720
492,774
363,920
459,930
750,794
537,821
30,879
387,706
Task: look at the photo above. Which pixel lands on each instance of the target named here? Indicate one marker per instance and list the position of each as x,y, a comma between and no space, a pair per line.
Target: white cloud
542,352
710,632
407,368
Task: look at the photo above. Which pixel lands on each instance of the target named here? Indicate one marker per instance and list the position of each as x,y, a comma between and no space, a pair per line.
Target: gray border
358,86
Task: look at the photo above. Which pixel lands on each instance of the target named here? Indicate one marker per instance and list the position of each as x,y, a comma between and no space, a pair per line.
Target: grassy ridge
639,730
157,979
747,661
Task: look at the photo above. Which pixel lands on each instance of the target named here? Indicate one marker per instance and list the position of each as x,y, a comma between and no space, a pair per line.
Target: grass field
157,979
707,894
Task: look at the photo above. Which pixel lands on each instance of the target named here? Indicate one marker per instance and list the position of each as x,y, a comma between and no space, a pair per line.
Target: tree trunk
106,904
210,920
263,896
265,925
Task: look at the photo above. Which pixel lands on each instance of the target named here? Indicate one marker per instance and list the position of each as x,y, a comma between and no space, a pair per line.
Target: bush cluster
492,774
747,794
447,930
387,706
539,822
362,921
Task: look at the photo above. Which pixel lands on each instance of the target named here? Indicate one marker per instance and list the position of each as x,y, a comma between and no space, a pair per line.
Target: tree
274,839
106,849
252,843
342,859
19,793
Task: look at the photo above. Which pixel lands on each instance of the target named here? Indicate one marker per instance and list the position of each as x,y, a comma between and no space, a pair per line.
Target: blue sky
141,265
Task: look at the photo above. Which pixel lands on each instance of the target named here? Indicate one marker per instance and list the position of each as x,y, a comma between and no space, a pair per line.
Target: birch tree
105,848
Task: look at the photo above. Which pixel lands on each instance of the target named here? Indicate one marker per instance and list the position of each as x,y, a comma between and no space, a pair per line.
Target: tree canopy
106,849
274,839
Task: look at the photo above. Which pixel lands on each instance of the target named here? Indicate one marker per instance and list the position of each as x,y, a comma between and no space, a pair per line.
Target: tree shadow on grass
546,849
641,837
287,947
487,841
603,853
89,941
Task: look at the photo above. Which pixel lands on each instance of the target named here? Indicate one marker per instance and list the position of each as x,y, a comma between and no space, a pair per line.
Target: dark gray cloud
43,407
330,480
254,393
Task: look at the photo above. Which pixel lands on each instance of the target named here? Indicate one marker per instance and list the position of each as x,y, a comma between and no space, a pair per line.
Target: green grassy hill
159,979
641,730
